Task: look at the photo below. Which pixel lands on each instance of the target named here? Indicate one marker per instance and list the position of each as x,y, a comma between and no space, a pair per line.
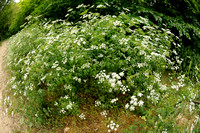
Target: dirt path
7,124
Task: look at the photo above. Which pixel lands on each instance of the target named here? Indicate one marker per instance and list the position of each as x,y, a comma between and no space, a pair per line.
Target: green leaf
85,12
46,112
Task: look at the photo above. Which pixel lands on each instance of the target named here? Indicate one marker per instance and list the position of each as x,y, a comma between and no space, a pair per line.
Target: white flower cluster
140,65
124,41
180,83
80,41
191,107
101,76
157,77
62,111
67,87
134,102
154,96
86,65
117,23
124,89
177,59
77,79
162,87
194,123
70,105
104,113
192,95
82,116
93,47
112,126
114,100
114,80
176,87
126,9
97,103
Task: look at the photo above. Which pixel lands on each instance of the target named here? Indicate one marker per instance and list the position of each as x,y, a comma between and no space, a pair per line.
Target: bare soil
8,124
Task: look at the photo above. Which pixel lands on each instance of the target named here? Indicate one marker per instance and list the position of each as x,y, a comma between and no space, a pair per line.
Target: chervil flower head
114,100
140,94
82,116
140,103
126,106
132,108
121,74
112,126
134,98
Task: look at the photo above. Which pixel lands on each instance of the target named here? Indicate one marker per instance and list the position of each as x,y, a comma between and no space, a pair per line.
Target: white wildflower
135,103
82,116
132,108
62,111
140,103
112,85
114,100
97,103
117,23
134,98
121,74
112,126
104,113
127,106
119,82
69,106
140,94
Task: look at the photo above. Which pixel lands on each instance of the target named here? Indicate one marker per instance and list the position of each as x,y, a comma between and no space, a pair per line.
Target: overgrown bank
106,62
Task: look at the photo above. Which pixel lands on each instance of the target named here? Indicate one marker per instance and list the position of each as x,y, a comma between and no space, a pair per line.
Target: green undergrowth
107,62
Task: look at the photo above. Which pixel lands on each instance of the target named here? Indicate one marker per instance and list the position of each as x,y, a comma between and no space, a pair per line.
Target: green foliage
3,4
64,61
187,10
6,16
56,9
183,22
113,61
114,58
26,7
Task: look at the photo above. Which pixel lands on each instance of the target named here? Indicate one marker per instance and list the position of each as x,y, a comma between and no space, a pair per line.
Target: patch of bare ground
96,123
8,123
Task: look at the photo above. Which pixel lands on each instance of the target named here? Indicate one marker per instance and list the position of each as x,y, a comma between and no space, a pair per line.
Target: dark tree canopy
186,11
